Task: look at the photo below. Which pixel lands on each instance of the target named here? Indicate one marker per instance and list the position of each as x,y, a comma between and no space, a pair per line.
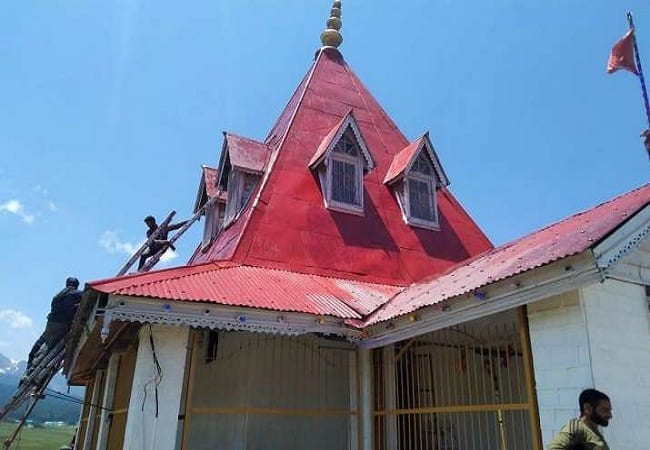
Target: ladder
144,246
32,387
47,365
153,260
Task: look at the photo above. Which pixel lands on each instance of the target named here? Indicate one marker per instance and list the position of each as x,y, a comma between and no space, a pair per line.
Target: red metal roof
289,228
246,153
402,160
256,287
327,140
567,237
363,304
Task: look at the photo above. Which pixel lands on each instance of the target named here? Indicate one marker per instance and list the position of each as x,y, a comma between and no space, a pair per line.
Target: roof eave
127,308
536,284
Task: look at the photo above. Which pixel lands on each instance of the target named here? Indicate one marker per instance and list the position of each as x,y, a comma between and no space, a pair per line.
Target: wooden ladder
32,388
153,260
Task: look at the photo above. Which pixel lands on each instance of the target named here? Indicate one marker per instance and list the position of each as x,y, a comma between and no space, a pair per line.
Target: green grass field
37,438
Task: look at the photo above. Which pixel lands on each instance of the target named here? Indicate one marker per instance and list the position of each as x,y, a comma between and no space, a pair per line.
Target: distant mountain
49,409
10,367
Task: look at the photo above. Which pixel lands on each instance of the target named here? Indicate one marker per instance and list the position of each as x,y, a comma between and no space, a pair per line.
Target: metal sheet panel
255,287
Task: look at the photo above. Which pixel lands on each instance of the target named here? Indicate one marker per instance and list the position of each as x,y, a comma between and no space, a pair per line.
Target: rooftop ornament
331,37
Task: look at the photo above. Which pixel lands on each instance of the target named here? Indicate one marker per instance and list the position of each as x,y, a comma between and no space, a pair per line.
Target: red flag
622,56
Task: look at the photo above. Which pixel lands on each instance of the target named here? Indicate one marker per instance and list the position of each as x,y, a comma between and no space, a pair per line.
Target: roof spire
331,37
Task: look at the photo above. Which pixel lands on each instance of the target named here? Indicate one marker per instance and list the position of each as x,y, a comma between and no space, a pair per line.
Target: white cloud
168,256
15,207
15,319
12,206
111,242
52,206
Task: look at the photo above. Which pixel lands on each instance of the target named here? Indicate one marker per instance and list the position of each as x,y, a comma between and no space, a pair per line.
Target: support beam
107,401
354,401
92,414
365,402
152,422
389,360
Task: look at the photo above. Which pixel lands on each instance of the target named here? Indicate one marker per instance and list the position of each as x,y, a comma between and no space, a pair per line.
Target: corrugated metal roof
246,153
567,237
254,287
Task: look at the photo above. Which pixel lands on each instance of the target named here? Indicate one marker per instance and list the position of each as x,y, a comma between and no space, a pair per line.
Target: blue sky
110,108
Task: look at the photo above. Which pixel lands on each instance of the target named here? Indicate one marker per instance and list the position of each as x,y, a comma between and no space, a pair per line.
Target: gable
207,186
403,161
333,137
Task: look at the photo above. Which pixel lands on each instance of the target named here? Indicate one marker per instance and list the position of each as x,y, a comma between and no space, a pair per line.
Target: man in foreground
582,433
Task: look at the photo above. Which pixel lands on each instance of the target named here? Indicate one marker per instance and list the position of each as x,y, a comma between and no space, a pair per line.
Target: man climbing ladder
64,305
161,239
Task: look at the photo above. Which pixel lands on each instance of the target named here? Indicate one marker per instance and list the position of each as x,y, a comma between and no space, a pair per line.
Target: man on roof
161,240
62,311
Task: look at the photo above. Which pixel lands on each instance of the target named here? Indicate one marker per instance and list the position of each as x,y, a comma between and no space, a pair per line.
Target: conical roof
288,227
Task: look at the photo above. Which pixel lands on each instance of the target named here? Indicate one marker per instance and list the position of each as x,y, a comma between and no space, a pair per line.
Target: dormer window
341,161
414,175
214,215
213,208
241,167
240,188
421,192
346,174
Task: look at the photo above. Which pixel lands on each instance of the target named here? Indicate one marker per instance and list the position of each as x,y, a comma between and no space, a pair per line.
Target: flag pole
637,57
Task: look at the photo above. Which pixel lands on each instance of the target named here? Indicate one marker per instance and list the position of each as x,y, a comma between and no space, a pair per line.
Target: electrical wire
158,376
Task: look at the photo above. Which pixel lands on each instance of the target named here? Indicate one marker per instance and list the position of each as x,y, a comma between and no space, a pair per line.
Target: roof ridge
255,141
575,215
539,230
276,151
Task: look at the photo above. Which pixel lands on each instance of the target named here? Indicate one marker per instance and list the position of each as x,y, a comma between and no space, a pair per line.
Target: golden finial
331,37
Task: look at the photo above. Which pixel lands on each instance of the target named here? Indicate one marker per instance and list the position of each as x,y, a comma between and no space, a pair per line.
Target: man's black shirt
64,305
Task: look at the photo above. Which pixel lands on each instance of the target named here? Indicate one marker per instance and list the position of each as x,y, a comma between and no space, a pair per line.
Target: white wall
560,347
597,337
144,431
619,334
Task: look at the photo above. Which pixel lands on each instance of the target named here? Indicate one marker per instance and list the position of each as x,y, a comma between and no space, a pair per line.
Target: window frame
433,204
402,189
235,204
361,166
214,219
357,162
